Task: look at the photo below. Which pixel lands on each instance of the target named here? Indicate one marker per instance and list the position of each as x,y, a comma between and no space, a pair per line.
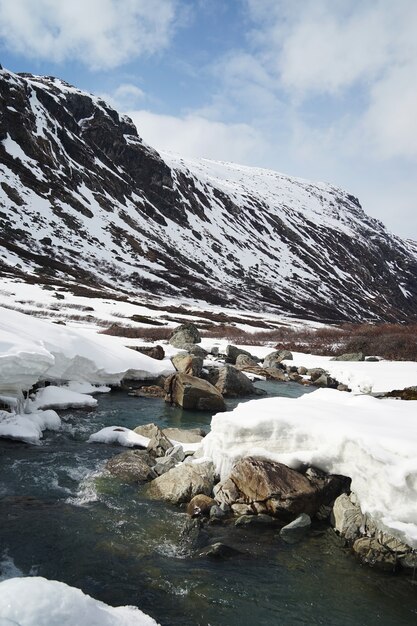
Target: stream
62,519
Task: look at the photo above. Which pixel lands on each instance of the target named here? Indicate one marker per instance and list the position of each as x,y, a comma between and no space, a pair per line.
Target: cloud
98,33
196,136
125,96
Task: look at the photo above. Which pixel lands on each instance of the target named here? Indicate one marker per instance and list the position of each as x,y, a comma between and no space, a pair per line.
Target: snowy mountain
86,204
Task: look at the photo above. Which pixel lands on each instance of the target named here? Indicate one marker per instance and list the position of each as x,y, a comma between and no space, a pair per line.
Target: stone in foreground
182,483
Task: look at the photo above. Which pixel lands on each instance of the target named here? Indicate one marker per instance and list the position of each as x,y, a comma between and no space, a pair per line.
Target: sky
319,89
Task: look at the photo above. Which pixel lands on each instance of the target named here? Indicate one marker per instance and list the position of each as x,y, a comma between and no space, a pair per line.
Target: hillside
86,204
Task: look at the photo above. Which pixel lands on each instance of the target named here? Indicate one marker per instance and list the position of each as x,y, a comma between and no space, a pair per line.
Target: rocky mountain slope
86,204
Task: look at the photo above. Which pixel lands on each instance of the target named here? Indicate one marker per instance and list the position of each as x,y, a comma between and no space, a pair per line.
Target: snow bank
119,434
27,428
372,441
80,387
36,601
33,350
60,398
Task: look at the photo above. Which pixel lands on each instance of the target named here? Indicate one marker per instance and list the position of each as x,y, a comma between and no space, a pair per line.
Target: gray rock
302,371
372,359
295,530
184,335
184,435
159,444
182,483
342,387
243,361
191,392
133,466
164,464
349,356
216,512
176,453
155,352
232,352
188,364
196,350
273,359
232,383
315,373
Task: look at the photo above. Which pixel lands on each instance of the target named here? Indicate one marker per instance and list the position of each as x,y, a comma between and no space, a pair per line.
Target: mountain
86,204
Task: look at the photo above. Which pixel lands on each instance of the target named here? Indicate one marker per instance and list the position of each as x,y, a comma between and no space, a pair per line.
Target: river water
60,518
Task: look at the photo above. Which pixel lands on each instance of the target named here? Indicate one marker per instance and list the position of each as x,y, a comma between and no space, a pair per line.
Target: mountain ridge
84,201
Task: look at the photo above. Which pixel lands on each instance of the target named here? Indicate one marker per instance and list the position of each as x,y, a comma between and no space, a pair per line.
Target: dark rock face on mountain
83,201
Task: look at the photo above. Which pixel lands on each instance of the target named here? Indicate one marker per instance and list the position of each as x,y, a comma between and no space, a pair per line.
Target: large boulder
183,482
273,359
184,335
232,383
133,466
188,364
273,488
190,392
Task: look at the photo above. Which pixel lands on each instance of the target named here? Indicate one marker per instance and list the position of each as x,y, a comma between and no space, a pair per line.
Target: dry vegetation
390,341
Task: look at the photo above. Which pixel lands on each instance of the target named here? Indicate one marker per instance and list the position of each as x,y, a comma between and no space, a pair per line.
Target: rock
346,517
349,356
295,530
155,352
371,552
315,373
201,505
325,381
196,350
273,359
219,551
216,512
149,391
242,509
244,361
296,378
184,435
188,364
232,352
372,359
232,383
302,371
176,453
164,464
409,393
133,466
191,392
158,444
184,335
277,489
342,387
214,351
182,483
255,520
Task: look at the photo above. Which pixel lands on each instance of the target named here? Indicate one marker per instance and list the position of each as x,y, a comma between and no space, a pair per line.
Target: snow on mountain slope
85,204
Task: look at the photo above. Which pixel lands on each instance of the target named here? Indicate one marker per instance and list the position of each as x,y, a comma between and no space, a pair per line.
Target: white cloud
99,33
196,136
125,96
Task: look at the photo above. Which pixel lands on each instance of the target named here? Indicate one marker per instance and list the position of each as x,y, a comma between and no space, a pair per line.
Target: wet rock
200,505
184,335
163,465
182,483
296,530
371,552
240,509
191,392
158,444
255,521
217,513
188,364
133,466
219,551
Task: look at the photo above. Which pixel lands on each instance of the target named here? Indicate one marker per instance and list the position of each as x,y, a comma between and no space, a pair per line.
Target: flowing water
62,519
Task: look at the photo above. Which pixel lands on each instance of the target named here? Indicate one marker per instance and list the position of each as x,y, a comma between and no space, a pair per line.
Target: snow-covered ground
372,441
36,601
